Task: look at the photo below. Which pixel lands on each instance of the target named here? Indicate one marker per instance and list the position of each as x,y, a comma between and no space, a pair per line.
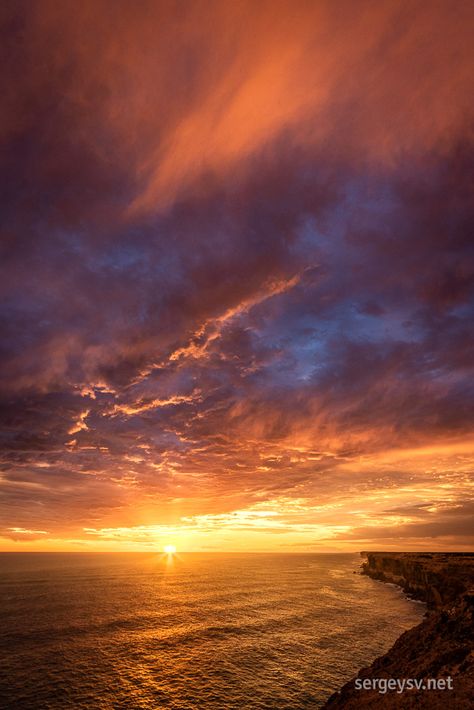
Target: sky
237,275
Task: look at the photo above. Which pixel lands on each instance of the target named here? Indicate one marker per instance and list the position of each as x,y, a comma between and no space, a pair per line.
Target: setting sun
237,295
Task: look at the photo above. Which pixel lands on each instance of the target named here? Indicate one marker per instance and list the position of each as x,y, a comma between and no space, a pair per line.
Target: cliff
442,646
435,578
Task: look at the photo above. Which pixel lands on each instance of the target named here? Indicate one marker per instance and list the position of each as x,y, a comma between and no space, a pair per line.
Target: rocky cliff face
442,646
435,578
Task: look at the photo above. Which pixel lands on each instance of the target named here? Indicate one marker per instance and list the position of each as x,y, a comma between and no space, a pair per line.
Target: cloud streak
237,273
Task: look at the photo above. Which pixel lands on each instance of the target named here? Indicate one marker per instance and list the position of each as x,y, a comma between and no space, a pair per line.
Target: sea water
211,631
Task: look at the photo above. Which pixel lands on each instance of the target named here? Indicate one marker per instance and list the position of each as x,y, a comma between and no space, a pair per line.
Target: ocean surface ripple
210,631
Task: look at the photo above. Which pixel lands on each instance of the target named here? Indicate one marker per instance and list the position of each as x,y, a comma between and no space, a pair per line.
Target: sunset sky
237,275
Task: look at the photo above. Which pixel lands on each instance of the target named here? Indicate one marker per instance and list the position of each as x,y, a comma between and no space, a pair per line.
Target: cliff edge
441,647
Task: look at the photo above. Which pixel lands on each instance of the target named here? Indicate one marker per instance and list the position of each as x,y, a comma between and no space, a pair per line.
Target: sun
169,549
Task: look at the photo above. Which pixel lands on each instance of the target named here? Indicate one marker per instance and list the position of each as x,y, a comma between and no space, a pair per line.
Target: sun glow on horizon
169,550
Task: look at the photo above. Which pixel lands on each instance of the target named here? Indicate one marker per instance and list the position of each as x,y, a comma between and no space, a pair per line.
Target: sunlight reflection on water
202,631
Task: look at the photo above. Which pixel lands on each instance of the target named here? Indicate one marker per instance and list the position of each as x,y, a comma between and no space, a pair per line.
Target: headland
441,647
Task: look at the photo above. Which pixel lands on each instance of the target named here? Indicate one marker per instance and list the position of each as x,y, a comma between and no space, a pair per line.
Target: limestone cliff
441,646
435,578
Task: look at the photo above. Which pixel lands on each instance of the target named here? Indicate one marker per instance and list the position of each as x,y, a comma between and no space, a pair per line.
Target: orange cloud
173,359
189,94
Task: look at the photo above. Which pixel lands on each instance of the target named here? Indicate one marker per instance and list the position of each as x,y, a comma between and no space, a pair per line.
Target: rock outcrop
442,646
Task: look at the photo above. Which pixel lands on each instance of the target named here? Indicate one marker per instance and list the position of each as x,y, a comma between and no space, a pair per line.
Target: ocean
210,631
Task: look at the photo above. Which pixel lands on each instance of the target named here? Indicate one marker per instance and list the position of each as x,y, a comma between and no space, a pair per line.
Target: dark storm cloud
231,260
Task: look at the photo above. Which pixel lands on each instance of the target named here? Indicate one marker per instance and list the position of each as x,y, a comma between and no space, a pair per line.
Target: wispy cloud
237,273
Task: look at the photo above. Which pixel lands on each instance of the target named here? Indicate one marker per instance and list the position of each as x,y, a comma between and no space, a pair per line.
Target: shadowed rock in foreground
442,646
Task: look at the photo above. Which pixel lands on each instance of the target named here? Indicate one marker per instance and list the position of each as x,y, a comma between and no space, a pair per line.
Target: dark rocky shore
442,646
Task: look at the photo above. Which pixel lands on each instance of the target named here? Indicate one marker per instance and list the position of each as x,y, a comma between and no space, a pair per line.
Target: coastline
441,646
